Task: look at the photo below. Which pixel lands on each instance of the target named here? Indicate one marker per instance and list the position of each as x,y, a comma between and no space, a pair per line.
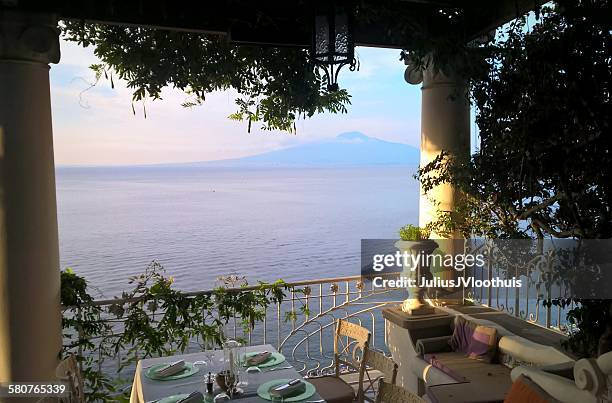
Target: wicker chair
389,393
378,366
68,372
351,344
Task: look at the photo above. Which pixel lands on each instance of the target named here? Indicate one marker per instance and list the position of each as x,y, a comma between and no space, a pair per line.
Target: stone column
445,126
30,318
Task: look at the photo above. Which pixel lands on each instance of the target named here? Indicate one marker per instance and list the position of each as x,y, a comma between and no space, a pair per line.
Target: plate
275,359
264,390
189,370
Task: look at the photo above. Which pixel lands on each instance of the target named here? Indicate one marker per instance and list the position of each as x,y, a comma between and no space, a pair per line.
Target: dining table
146,390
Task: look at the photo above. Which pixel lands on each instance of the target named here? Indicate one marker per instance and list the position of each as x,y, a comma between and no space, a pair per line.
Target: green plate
189,370
173,399
275,359
264,391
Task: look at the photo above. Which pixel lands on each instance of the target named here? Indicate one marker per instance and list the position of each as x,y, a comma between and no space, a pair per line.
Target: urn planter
416,303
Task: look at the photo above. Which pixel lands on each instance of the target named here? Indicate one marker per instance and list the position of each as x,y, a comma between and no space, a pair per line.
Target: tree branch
547,203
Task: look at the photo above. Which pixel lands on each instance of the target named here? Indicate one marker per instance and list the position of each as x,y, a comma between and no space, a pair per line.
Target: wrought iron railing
306,339
532,301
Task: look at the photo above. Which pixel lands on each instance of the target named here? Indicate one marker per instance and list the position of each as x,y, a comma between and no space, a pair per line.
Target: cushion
524,390
483,344
333,389
462,335
486,376
433,345
441,365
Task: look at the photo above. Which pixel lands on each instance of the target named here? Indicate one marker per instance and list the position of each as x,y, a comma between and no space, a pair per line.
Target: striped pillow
483,344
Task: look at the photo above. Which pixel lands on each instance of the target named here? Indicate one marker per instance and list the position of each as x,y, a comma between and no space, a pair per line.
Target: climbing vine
158,320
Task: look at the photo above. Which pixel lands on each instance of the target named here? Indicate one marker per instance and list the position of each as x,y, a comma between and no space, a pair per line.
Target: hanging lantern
333,44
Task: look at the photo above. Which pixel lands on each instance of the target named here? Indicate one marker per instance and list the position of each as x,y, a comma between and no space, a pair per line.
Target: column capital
414,72
29,37
424,71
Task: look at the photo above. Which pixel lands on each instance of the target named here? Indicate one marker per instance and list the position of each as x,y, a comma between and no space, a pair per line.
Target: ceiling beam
281,22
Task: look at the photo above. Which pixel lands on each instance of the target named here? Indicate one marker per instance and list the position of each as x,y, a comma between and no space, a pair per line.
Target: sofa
588,380
431,360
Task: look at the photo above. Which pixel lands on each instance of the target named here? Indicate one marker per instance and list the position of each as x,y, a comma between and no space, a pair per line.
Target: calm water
204,222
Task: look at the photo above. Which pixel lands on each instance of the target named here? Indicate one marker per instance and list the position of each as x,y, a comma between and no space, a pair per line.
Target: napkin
171,369
295,386
259,358
194,397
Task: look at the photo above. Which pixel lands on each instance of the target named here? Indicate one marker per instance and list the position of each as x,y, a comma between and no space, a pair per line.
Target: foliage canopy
544,166
275,86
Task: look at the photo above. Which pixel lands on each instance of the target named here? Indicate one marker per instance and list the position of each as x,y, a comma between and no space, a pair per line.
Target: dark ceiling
381,23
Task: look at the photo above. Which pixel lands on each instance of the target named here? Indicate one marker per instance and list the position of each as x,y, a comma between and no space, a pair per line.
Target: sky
98,127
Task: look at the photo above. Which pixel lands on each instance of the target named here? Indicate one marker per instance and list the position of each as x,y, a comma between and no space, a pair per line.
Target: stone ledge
405,321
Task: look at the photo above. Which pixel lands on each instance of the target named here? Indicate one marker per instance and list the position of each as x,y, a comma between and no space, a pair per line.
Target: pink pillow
462,335
483,344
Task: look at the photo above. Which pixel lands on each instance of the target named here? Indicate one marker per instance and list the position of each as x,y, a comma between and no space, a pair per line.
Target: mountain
346,149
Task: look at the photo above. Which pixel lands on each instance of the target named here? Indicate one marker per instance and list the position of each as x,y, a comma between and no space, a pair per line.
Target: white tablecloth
145,389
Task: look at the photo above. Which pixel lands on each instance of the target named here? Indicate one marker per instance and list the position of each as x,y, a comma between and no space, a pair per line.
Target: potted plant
415,241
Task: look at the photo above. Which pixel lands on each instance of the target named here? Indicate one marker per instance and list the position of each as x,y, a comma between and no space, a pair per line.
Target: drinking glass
277,399
241,370
208,352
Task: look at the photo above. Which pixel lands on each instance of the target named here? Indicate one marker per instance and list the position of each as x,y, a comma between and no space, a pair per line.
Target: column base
420,310
416,307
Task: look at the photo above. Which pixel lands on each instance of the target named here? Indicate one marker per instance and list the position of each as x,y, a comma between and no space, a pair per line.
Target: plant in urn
415,245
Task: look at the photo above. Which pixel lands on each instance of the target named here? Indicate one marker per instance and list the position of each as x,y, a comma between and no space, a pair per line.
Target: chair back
68,372
389,393
351,345
378,366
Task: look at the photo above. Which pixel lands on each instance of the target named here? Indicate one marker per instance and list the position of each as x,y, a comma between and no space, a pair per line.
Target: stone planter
416,304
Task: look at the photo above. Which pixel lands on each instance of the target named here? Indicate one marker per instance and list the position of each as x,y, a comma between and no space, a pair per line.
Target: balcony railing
306,339
530,302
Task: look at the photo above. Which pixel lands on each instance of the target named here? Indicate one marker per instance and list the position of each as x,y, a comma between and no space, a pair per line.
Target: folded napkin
258,358
194,397
293,387
171,369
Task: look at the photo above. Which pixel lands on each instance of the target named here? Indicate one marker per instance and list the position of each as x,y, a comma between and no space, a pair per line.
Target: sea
200,223
203,222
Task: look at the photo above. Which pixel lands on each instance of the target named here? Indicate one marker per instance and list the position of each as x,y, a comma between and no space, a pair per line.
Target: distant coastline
351,149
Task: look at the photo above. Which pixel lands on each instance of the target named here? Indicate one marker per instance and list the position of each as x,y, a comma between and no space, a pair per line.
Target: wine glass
241,370
277,399
208,352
